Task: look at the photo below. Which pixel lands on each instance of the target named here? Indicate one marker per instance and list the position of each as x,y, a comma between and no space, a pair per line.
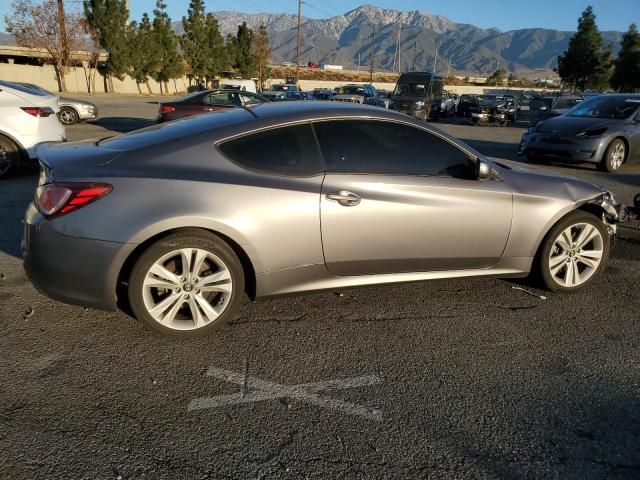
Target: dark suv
419,94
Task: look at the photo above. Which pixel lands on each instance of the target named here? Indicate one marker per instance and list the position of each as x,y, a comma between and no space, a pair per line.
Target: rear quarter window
290,151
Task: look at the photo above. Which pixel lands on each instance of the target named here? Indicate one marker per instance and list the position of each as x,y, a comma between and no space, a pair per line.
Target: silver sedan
72,110
180,219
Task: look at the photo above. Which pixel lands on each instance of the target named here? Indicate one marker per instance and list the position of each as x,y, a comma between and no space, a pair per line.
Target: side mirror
483,169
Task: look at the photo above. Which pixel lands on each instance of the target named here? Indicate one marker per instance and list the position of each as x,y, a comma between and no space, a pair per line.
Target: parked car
464,105
205,102
72,110
447,104
384,98
491,109
551,106
604,130
324,94
418,94
352,93
28,117
277,92
288,96
178,220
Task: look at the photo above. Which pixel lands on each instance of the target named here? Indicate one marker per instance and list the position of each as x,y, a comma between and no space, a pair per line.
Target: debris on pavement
529,292
28,313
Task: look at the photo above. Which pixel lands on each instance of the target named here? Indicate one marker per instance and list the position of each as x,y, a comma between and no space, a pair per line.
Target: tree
262,53
36,24
586,62
144,57
245,61
497,77
626,73
215,42
194,41
107,20
168,62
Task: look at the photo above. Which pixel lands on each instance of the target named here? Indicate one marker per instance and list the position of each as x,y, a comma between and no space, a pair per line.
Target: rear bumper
70,269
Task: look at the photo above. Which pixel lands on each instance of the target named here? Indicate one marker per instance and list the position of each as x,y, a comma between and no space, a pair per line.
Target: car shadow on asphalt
122,124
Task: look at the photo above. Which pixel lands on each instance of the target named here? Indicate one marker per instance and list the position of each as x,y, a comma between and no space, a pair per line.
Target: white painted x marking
255,390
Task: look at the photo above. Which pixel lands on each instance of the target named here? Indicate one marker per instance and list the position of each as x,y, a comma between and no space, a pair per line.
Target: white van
235,84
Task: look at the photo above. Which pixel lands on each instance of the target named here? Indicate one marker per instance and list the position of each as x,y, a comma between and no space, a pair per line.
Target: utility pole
298,41
449,69
435,60
373,50
397,54
358,61
413,68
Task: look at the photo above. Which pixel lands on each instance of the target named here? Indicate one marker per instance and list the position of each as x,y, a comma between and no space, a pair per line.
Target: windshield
350,90
562,103
489,99
411,90
282,88
606,106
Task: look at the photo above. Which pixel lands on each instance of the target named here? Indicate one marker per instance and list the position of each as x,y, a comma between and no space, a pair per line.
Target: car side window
281,151
219,98
368,146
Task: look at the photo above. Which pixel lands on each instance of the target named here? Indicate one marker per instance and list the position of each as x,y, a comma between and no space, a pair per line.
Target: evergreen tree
231,49
245,61
169,63
497,77
585,62
108,21
195,46
215,43
143,56
626,73
262,53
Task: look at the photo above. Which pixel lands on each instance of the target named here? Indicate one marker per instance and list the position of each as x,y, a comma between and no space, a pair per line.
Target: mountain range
346,38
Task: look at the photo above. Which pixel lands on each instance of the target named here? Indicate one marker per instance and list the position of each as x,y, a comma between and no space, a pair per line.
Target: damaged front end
614,211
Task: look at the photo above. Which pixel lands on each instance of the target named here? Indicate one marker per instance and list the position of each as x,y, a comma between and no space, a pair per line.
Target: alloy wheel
187,289
67,117
576,255
5,160
617,156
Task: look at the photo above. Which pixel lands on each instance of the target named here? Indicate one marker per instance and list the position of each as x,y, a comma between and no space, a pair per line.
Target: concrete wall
75,78
45,77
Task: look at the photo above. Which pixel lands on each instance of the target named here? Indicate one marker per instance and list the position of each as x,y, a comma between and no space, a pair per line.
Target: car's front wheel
187,284
68,116
573,253
614,156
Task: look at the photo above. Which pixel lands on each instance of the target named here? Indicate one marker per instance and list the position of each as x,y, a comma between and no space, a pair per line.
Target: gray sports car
178,220
604,130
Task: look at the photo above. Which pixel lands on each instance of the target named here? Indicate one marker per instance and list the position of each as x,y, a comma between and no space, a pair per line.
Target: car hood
534,181
571,126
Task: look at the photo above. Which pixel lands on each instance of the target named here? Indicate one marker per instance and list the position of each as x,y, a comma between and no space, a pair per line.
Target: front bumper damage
614,211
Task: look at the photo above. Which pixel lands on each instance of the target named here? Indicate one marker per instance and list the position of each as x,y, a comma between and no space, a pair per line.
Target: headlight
419,104
594,132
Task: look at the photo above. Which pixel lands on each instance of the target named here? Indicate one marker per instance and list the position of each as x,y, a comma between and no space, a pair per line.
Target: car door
397,198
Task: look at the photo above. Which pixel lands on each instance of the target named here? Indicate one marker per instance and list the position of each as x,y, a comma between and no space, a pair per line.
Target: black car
491,109
465,104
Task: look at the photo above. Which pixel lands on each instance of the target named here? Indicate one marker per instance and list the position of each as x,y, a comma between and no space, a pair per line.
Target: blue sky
503,14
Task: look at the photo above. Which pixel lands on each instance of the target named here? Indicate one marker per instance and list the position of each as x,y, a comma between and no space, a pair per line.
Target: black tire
9,157
191,238
610,162
68,116
542,266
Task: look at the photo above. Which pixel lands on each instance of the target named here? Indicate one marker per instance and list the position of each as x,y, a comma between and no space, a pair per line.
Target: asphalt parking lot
446,379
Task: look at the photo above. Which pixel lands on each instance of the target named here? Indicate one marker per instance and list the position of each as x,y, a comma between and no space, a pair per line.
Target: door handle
344,198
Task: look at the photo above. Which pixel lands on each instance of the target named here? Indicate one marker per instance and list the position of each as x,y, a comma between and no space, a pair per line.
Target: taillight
57,199
38,111
166,108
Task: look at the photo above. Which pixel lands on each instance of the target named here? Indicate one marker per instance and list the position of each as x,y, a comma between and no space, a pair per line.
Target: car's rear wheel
187,284
9,157
614,156
574,252
68,116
